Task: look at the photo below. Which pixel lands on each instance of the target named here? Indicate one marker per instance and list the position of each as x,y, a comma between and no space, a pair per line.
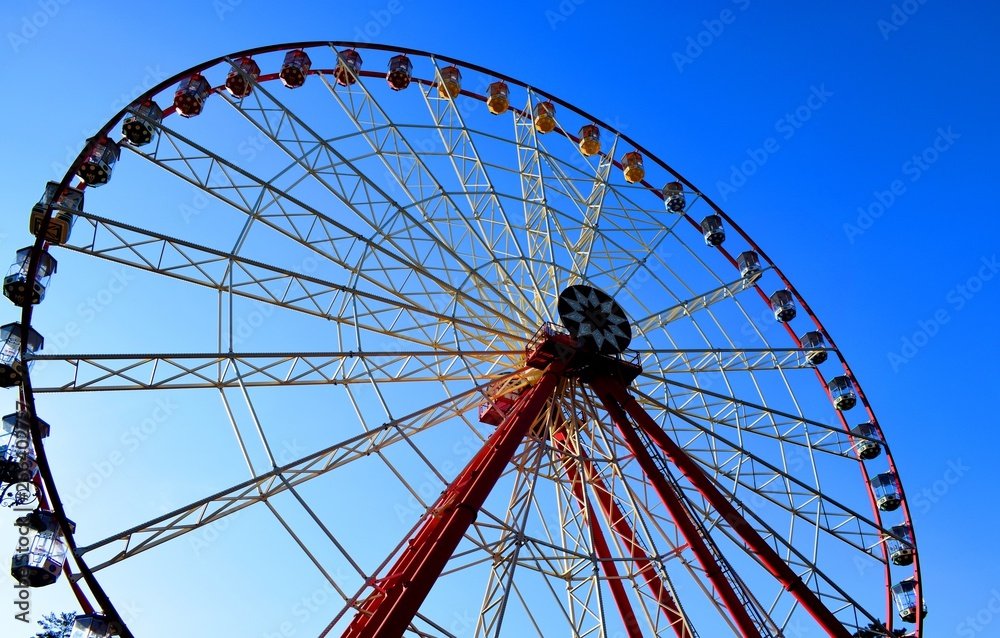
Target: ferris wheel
373,342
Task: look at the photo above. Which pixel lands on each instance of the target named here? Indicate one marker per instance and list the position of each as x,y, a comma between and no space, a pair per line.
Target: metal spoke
91,373
267,484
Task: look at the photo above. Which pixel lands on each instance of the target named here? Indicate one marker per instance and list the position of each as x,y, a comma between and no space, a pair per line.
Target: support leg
680,515
612,392
389,610
600,545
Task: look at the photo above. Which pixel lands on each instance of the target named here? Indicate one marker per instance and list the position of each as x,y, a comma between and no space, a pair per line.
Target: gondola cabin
190,96
783,305
348,67
139,127
673,198
632,167
18,467
545,117
450,83
749,264
713,231
900,545
815,347
240,80
39,558
590,140
842,391
400,72
498,98
11,365
904,593
295,68
866,441
95,170
16,286
61,222
92,626
888,496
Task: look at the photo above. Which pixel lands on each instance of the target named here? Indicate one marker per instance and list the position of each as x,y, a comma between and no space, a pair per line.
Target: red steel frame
608,388
601,548
616,518
677,511
398,596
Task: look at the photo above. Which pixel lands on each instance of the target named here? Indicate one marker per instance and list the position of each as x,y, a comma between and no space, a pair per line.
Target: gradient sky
850,140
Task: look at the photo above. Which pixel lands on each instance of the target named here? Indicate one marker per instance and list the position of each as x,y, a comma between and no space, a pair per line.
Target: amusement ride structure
531,374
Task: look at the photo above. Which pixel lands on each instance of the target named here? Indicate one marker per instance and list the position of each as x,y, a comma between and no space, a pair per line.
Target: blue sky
852,142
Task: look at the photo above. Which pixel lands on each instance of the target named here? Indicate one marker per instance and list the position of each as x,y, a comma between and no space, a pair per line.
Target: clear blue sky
865,136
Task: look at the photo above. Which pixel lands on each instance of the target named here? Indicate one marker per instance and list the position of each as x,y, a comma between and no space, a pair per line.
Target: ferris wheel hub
594,318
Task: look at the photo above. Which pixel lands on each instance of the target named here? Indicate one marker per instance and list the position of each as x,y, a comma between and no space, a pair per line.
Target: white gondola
866,441
783,305
905,595
11,366
842,391
41,549
749,265
92,626
16,286
886,490
815,347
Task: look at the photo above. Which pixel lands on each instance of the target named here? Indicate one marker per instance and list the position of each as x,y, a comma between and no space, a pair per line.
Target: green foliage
56,626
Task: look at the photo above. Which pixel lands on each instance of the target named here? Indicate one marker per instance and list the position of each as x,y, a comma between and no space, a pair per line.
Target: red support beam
390,608
600,544
619,523
668,604
677,510
613,390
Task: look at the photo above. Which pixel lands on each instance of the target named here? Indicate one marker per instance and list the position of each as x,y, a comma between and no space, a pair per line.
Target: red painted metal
396,597
75,586
608,566
605,388
610,389
619,523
